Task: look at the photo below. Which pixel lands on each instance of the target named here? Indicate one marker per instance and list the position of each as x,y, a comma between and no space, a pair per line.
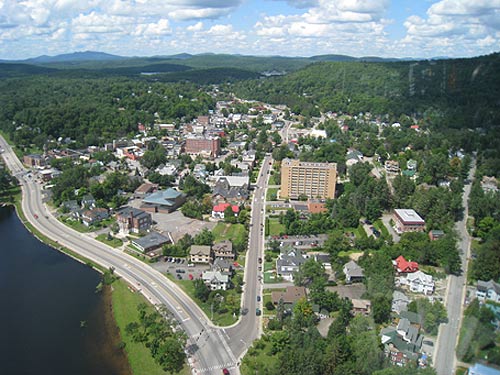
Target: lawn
259,361
125,311
272,180
222,320
381,227
76,225
271,194
273,227
225,231
114,242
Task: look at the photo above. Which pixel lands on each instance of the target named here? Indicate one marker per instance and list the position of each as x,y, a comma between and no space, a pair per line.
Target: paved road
212,351
445,358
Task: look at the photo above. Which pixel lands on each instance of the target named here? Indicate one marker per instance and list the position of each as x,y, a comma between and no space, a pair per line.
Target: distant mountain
75,57
346,58
18,70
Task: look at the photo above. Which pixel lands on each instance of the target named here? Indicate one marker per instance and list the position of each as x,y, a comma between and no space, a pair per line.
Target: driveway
386,219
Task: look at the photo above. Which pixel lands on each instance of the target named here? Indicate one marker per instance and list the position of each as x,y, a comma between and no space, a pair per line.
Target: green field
273,227
272,180
125,311
114,242
270,192
225,231
258,360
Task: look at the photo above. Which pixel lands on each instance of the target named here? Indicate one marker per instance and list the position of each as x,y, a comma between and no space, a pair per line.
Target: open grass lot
125,304
114,242
271,194
273,227
258,360
76,225
218,319
273,181
225,231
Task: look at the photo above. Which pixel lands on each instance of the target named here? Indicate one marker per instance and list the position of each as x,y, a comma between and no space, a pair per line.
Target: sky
385,28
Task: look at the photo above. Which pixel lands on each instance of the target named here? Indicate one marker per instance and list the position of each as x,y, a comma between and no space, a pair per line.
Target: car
190,276
35,216
244,311
190,265
260,260
258,298
368,222
258,312
260,268
428,342
225,371
179,277
178,271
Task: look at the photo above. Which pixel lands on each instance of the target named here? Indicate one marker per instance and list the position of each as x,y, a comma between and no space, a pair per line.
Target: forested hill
461,92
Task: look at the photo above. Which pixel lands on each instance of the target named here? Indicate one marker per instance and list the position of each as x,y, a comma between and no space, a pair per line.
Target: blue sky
386,28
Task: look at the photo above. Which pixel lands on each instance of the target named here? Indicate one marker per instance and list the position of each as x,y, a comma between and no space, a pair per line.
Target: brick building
209,146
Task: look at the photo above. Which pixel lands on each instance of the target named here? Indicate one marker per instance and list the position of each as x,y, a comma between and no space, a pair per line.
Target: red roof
414,126
405,266
221,207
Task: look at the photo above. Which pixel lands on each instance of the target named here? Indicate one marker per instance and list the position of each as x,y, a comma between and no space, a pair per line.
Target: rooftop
409,216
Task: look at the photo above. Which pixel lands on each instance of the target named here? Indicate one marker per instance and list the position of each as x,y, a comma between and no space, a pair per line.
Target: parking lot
171,267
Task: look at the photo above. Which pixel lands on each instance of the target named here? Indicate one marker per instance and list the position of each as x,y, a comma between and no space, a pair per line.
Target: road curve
212,352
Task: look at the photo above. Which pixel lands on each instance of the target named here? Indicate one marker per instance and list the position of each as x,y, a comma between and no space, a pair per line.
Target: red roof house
218,210
404,266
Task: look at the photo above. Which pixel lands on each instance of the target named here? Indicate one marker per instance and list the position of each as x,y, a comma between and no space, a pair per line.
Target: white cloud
155,29
196,27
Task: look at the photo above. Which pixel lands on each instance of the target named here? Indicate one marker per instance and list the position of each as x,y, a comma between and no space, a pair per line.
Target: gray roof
132,211
352,269
487,285
199,250
163,197
152,240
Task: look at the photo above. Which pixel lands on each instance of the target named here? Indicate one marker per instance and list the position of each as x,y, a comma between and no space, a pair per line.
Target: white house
216,280
488,290
419,282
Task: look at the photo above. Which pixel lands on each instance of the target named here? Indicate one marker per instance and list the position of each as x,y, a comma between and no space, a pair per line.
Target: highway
212,348
445,357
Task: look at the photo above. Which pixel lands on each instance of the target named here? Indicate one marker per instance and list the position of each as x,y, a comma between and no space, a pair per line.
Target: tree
171,355
433,314
201,291
381,309
205,237
309,272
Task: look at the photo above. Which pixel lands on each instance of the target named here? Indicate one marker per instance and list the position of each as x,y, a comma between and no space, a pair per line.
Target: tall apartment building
314,180
209,146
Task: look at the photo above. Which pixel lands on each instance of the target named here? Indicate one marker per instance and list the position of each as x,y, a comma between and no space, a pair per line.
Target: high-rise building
309,179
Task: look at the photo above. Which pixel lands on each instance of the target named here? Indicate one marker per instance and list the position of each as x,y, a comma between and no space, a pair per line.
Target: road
445,358
211,350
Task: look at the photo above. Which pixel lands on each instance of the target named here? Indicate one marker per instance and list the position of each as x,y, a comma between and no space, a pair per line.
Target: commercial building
205,146
312,180
408,221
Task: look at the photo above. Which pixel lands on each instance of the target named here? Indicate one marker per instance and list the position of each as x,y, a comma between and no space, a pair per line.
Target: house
133,220
353,272
391,167
218,210
290,296
407,220
414,318
404,266
361,306
215,280
353,157
233,189
150,242
483,369
224,250
409,332
398,351
419,282
399,302
200,254
224,266
70,206
94,216
488,290
164,201
288,262
34,160
489,184
88,201
435,234
144,189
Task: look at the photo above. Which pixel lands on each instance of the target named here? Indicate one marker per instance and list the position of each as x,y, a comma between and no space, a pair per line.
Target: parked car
190,265
258,298
190,277
258,312
225,371
260,260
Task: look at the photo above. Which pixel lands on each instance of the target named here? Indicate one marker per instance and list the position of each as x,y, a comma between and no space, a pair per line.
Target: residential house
409,333
489,184
288,262
218,211
399,302
232,189
34,160
215,280
407,220
419,282
224,250
133,220
435,234
483,369
391,167
88,201
404,266
200,254
224,266
90,217
353,272
353,157
151,242
144,189
70,206
398,351
164,201
290,296
361,306
488,290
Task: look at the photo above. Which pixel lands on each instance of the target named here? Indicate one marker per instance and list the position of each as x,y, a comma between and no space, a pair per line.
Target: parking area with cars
180,267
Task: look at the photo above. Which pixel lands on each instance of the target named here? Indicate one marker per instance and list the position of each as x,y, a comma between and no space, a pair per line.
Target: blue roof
479,369
163,197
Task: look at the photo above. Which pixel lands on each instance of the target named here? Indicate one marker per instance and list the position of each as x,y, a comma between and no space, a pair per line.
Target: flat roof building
407,220
312,180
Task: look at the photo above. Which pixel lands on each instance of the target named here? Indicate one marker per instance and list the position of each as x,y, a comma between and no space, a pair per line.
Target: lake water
45,295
